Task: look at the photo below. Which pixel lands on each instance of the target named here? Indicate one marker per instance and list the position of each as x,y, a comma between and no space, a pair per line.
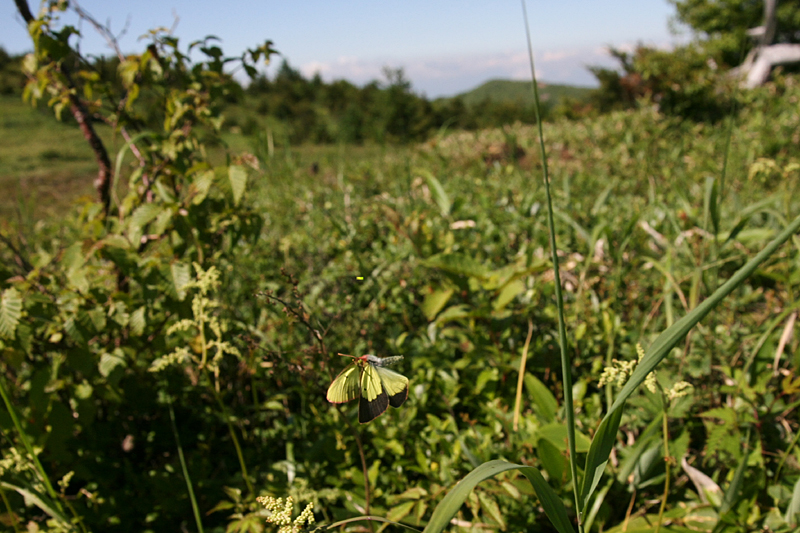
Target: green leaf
451,503
10,312
711,206
138,321
438,193
557,435
738,479
144,214
181,276
41,501
508,293
543,399
398,512
108,362
434,302
793,511
599,451
237,175
490,507
553,460
458,264
606,434
453,312
201,185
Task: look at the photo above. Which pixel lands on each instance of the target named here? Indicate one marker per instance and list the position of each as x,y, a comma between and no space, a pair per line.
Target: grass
44,164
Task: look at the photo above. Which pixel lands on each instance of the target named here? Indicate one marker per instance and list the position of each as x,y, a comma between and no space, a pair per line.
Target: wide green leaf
451,503
439,194
543,399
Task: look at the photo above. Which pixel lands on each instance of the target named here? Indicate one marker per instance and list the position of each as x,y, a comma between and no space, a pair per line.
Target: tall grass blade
451,503
39,500
566,363
35,458
184,468
606,433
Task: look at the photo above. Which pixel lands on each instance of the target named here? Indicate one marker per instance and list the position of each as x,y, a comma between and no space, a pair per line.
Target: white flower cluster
619,372
281,514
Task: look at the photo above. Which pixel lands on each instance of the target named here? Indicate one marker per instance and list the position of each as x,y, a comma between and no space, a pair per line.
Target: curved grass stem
184,468
566,363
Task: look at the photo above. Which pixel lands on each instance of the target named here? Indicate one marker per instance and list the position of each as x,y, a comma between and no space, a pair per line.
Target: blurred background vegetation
666,179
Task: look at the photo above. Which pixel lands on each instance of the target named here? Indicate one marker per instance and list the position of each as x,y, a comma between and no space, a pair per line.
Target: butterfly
376,387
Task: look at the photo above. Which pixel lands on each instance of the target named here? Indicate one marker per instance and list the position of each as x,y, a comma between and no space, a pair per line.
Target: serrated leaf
181,276
434,302
138,322
143,214
108,362
237,175
162,222
72,258
71,327
10,312
201,185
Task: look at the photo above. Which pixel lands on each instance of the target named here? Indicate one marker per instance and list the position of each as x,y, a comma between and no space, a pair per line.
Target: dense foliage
168,361
292,109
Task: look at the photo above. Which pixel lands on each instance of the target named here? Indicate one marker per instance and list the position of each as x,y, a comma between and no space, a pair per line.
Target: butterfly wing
395,385
346,386
374,400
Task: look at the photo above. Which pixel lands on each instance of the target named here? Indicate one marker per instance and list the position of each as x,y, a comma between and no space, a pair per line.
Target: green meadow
167,362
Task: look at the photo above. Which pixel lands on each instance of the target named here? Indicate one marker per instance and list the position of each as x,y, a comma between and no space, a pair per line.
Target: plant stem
359,444
665,436
10,512
186,477
232,432
29,448
566,363
521,377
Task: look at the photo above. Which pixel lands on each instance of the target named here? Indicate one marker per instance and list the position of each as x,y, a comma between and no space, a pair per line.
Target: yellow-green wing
373,398
395,385
346,386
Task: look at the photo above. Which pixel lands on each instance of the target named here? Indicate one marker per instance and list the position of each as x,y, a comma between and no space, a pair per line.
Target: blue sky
445,46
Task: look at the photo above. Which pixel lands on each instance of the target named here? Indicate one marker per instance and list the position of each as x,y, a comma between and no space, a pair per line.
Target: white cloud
450,74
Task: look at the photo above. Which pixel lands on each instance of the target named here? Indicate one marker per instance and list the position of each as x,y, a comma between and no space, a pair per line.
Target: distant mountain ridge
519,92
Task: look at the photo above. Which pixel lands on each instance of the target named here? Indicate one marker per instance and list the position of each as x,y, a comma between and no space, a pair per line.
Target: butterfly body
368,379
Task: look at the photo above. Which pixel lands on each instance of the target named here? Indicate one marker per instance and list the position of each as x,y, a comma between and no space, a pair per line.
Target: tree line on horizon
685,81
